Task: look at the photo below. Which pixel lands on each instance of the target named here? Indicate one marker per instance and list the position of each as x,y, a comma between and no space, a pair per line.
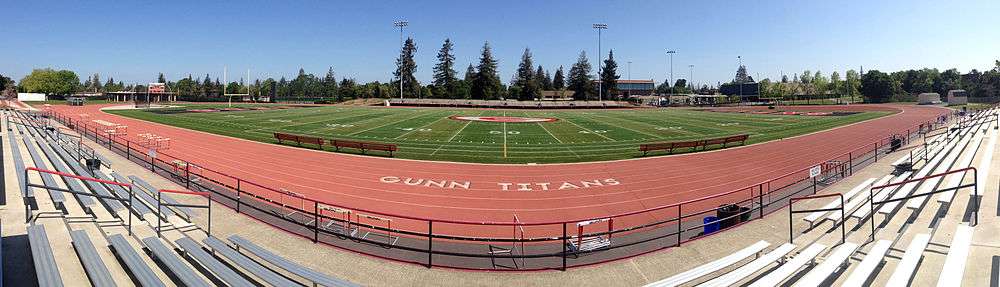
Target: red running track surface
380,184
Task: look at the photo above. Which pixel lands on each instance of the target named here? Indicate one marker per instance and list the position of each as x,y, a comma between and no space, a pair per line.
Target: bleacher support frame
974,185
128,203
160,204
843,218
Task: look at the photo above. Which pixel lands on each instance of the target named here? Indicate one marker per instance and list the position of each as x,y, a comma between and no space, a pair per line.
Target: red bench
299,139
737,138
363,146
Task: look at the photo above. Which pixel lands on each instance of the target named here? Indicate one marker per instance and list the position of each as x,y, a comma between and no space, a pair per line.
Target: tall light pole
630,79
401,24
671,54
691,76
740,58
600,66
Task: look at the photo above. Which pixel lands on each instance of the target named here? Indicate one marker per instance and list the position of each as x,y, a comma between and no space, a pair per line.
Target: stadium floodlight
671,54
401,24
600,66
691,76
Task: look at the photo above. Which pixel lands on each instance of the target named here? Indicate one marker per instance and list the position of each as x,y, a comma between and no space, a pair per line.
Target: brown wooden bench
694,145
364,147
669,147
299,139
737,138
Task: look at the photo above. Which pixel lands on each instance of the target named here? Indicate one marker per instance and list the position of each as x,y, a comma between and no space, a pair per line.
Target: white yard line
388,124
505,136
418,128
588,130
461,129
550,133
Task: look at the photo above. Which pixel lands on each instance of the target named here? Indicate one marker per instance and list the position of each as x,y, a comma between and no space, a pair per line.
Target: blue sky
134,40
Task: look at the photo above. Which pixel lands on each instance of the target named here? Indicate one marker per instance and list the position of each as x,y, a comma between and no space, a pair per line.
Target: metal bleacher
895,252
132,255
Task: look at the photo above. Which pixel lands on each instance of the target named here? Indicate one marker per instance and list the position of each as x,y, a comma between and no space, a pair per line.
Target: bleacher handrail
59,173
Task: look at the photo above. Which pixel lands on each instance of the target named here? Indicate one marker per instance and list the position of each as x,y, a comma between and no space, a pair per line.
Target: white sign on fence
815,171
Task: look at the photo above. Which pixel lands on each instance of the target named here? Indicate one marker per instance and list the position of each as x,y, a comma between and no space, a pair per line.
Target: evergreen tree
330,85
609,75
524,79
559,80
95,84
742,77
445,76
486,84
547,81
470,74
206,87
161,79
540,79
405,67
579,78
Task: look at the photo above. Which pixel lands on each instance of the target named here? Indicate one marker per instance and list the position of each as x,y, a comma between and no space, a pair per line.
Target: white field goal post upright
225,80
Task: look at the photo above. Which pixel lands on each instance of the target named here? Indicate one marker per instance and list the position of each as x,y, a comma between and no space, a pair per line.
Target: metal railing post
128,149
130,210
158,211
27,207
187,175
564,245
315,221
871,213
209,213
843,220
791,238
430,245
238,194
760,199
680,216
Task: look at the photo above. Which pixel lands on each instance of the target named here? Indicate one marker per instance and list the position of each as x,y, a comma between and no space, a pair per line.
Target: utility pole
401,24
600,66
740,58
691,76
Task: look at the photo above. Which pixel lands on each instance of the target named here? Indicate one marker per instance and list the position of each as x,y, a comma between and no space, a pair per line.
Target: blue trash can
711,224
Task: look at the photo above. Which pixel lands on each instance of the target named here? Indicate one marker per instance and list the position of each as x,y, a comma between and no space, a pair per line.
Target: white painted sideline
710,267
751,268
958,254
864,270
821,272
789,268
904,270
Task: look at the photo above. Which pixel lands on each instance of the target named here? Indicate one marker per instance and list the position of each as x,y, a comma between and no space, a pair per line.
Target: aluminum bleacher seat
791,267
711,267
97,271
56,196
72,183
166,256
220,248
958,254
41,254
139,270
908,264
96,187
19,168
859,277
818,275
292,267
219,269
865,185
749,269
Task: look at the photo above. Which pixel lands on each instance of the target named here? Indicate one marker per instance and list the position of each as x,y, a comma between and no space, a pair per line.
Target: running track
360,181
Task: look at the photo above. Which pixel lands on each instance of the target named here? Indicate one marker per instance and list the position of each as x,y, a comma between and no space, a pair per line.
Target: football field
443,133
